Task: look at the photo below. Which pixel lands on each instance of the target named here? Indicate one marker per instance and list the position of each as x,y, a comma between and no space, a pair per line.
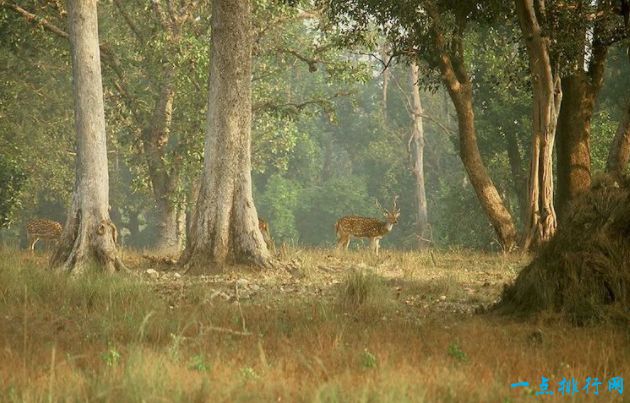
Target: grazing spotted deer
42,228
264,228
365,227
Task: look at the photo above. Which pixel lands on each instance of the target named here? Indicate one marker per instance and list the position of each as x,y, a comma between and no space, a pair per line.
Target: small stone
177,275
153,273
241,282
443,298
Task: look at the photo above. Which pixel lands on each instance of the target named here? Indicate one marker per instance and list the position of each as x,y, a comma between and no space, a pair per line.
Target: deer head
390,215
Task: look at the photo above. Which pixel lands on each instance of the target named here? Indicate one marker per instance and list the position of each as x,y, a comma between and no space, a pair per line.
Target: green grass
119,339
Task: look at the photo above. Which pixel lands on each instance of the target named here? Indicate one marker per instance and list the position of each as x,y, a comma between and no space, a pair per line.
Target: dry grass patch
356,340
583,272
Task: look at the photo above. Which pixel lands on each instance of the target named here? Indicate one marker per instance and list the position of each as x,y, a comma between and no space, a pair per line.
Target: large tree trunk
573,139
225,222
416,152
89,235
459,86
580,90
541,217
619,153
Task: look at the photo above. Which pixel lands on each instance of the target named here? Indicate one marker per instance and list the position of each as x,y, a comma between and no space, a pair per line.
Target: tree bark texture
89,235
573,139
459,87
619,153
164,179
580,89
519,177
416,153
541,217
224,228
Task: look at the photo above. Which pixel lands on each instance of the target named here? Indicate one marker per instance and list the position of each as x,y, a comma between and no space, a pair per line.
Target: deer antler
381,207
395,205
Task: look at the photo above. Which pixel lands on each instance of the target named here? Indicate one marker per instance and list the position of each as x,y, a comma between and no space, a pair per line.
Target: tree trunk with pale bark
541,221
386,73
416,153
89,235
224,227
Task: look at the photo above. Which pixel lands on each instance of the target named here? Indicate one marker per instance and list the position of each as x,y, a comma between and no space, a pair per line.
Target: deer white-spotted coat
41,228
366,227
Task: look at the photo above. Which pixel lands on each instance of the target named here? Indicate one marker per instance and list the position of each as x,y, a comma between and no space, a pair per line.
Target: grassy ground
327,328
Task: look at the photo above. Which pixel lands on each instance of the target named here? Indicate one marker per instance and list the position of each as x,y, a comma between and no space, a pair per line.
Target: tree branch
298,107
129,22
36,20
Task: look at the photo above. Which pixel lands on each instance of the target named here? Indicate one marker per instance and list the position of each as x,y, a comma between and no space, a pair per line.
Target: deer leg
32,241
343,241
340,241
374,245
377,245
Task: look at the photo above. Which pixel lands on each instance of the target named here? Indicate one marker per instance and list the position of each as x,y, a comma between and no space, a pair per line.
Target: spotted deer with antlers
366,227
44,229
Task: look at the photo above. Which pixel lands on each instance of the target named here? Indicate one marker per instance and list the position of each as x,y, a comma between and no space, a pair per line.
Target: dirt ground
423,283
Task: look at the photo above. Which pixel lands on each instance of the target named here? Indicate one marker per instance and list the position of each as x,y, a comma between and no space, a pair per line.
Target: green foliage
111,357
249,374
279,201
368,360
198,363
274,142
456,352
11,182
603,129
321,206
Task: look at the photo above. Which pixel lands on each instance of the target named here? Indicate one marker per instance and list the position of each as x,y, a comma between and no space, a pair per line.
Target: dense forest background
331,127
